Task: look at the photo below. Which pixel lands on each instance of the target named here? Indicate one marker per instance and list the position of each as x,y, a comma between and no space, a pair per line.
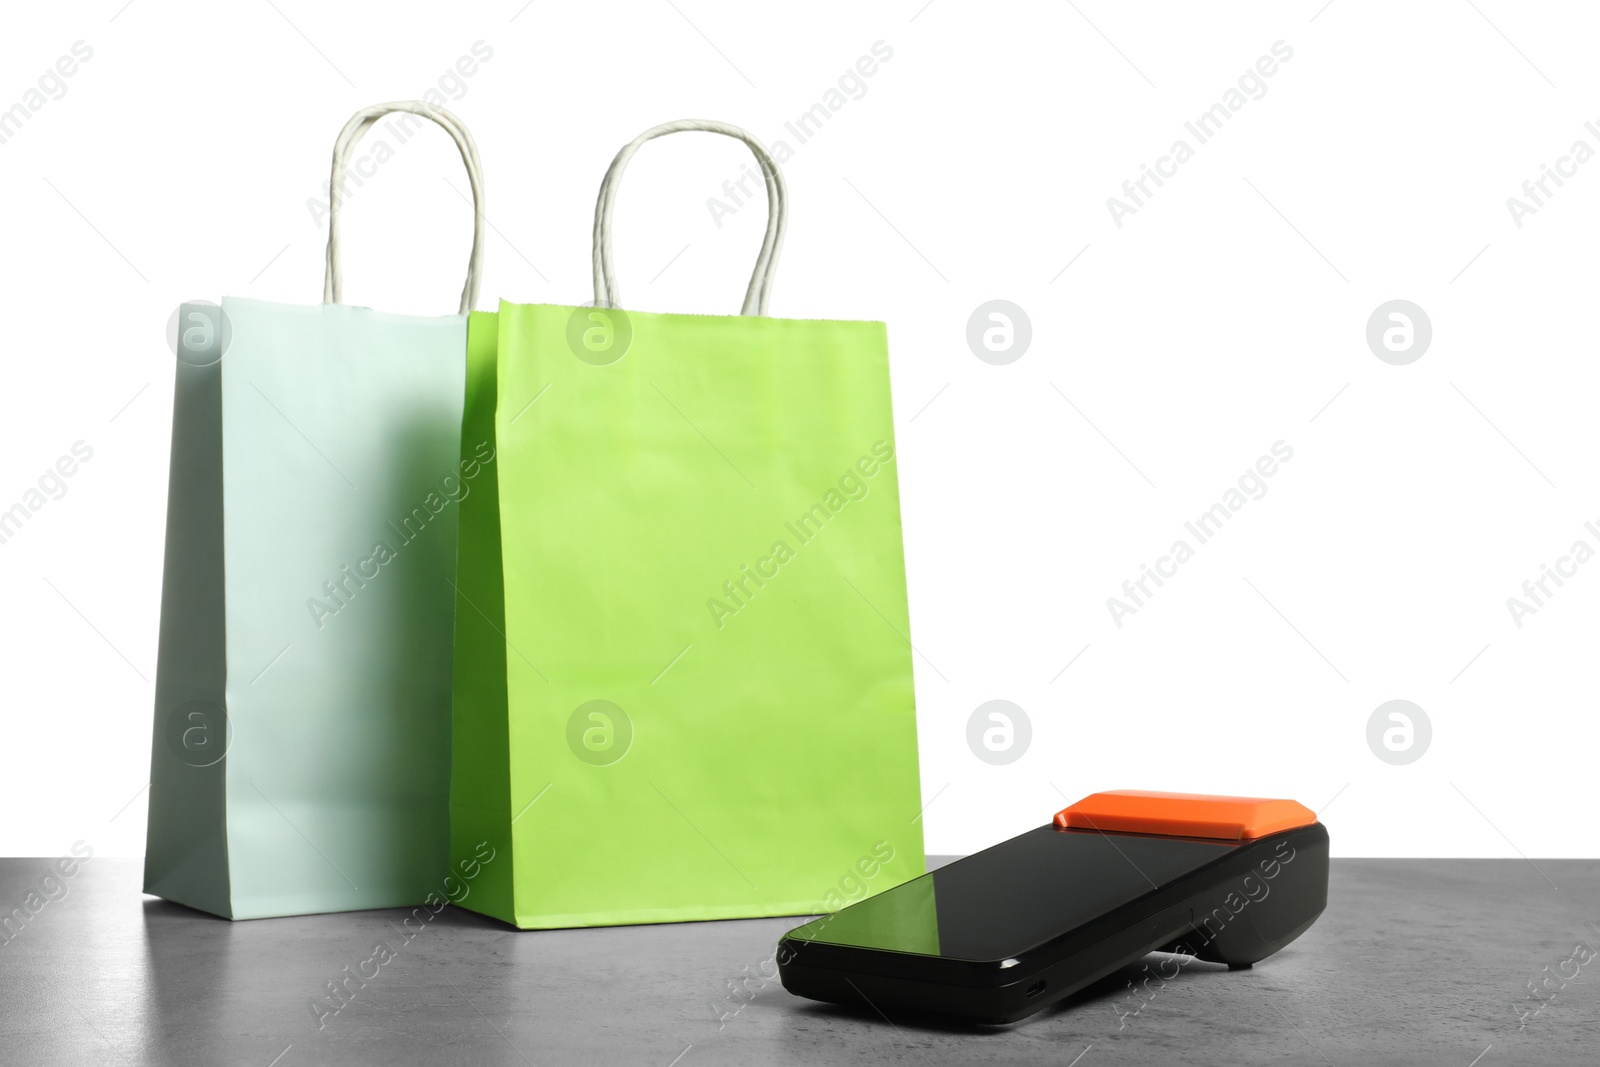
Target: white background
1227,314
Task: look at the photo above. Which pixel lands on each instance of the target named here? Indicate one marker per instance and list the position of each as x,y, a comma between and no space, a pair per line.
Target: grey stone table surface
1414,962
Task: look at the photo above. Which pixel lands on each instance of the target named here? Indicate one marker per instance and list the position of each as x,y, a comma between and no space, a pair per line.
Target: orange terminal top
1138,811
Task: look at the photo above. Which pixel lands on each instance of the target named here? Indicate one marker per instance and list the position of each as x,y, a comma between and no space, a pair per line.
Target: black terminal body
996,936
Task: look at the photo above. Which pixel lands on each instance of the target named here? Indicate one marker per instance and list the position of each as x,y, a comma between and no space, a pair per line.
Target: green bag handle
755,297
350,136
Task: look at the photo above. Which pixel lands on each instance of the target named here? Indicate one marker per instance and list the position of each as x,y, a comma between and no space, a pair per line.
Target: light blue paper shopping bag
301,756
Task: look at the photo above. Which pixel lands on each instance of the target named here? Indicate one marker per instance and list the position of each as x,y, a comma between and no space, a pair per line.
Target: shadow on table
465,919
188,957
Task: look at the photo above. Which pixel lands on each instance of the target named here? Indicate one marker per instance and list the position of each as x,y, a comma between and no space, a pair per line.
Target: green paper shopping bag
683,680
301,751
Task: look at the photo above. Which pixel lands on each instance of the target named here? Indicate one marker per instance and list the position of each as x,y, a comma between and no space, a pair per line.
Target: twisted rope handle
350,136
755,298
